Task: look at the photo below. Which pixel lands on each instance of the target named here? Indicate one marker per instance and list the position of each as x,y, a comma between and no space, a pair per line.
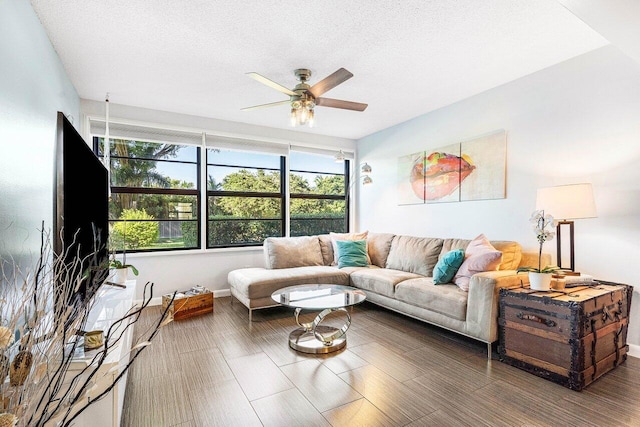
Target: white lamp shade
573,201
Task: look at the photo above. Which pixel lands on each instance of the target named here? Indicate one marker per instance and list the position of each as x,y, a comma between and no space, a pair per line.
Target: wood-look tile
202,369
444,418
450,397
224,404
609,400
388,361
238,343
278,350
389,337
188,339
343,361
258,376
288,408
449,369
496,370
157,401
181,379
360,413
324,389
389,395
155,360
504,399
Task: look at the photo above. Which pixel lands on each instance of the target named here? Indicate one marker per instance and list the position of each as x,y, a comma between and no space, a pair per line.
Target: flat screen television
81,211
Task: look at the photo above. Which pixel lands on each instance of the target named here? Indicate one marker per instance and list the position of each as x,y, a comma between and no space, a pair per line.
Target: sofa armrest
482,302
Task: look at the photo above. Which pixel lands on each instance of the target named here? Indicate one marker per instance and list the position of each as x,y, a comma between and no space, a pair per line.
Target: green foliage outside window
233,219
137,229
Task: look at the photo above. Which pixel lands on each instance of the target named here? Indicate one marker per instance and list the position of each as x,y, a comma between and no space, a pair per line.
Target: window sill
134,255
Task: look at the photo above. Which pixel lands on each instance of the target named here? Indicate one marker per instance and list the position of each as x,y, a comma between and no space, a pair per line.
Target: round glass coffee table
313,337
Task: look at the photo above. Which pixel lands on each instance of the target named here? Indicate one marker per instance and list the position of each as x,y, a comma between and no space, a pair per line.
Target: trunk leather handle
550,323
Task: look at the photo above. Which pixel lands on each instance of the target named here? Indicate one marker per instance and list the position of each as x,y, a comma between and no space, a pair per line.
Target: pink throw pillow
479,256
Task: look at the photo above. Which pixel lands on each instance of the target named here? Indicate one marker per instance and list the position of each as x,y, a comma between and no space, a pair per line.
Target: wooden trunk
571,337
184,307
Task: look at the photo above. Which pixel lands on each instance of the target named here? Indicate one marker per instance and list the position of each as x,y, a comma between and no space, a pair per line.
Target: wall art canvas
487,156
411,183
443,171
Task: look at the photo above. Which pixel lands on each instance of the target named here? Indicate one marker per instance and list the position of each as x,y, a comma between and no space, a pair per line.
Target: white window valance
144,133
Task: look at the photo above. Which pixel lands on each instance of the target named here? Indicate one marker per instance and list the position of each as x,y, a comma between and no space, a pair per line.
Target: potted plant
121,267
540,278
121,270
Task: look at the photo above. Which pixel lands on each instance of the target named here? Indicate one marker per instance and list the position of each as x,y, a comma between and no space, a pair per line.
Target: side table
571,337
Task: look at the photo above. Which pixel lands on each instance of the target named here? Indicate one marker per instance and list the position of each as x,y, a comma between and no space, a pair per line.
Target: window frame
314,196
222,193
159,191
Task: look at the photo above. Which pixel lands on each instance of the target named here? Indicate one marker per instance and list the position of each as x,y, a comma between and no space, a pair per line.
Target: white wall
209,268
33,87
574,122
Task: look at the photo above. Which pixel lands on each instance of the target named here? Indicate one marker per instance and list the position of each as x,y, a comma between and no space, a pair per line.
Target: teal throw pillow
352,253
448,266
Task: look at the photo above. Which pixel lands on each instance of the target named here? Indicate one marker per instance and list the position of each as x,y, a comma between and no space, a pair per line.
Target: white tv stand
111,303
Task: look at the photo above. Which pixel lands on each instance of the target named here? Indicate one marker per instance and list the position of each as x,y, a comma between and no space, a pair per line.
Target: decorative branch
45,312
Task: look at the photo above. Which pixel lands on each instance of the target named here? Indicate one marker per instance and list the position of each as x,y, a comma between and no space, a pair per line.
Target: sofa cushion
288,252
326,247
511,254
414,254
378,247
260,282
448,266
346,236
449,245
379,280
352,253
511,251
448,300
480,256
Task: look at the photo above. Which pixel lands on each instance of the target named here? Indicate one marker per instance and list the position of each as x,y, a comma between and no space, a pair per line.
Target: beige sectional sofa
399,278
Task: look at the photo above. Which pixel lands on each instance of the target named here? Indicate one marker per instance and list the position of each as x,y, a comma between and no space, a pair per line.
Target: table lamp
566,203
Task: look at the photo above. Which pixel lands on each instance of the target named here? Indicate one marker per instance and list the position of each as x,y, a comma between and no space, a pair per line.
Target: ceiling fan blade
330,82
273,104
271,83
338,103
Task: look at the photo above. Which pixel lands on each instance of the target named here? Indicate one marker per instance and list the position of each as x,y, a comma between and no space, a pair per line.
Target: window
183,189
318,194
245,201
154,195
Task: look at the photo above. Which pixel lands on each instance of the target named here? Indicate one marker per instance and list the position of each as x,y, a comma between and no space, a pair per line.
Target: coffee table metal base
306,342
319,339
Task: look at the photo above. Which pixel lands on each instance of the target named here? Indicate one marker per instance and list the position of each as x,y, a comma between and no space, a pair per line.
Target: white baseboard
222,293
216,294
634,350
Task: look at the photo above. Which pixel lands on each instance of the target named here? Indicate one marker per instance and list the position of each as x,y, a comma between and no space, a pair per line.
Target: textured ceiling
408,57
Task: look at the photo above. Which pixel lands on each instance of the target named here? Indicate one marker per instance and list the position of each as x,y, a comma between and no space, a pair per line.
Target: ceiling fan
304,98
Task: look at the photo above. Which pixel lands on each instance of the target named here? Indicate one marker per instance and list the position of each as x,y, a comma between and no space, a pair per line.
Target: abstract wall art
410,184
488,180
471,170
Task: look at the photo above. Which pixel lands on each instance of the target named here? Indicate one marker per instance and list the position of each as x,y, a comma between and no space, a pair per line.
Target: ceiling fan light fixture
293,118
311,119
